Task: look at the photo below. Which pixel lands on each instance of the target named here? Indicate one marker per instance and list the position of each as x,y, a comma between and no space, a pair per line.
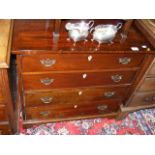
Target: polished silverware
79,31
105,33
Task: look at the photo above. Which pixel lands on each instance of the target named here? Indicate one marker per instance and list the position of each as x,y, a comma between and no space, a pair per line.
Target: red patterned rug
138,123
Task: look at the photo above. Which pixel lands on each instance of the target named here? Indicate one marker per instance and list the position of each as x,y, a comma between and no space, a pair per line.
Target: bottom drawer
141,99
75,110
2,113
5,129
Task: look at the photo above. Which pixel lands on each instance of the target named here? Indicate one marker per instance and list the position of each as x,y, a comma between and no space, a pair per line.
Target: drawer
5,129
76,95
67,80
65,62
95,108
148,85
152,70
2,113
141,99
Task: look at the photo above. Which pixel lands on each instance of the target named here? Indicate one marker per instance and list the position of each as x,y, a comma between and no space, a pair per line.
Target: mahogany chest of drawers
61,81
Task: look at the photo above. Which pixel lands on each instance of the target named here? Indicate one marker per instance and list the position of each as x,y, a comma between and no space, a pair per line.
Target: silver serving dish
79,31
105,33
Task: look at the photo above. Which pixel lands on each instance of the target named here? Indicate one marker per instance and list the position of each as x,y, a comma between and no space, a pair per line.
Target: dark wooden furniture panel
68,62
76,95
83,79
47,112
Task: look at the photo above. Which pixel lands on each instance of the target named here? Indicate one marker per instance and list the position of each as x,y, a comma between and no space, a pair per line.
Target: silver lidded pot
79,31
105,33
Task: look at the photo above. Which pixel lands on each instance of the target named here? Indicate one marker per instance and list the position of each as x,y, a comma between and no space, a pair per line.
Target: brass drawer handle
124,60
47,62
46,100
45,113
109,94
46,81
116,78
102,107
149,99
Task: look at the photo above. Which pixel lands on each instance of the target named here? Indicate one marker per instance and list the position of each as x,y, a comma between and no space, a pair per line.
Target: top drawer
64,62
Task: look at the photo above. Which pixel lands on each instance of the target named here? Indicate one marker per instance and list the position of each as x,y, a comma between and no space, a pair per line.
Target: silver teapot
79,31
105,33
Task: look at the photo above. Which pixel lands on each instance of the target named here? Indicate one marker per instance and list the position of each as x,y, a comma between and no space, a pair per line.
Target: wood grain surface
6,26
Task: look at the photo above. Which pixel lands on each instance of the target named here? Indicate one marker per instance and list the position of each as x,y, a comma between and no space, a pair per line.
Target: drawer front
2,114
58,97
48,112
67,80
148,85
5,130
141,99
152,70
64,62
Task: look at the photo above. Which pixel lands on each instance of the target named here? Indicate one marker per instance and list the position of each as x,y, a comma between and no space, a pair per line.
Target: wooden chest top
37,36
